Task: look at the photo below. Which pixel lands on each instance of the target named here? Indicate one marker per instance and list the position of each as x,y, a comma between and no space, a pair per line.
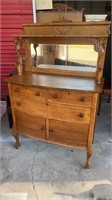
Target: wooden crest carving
61,30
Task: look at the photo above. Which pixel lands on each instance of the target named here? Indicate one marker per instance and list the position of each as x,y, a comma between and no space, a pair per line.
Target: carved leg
15,134
89,153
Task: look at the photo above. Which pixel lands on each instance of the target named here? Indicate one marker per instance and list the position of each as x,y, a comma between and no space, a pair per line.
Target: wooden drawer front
70,97
68,133
30,92
29,106
30,125
68,113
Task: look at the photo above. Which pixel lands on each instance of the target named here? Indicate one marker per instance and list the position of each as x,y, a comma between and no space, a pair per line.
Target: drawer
69,113
68,133
70,97
29,92
30,125
36,108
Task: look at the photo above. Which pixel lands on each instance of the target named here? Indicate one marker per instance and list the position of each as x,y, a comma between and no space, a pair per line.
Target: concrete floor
51,172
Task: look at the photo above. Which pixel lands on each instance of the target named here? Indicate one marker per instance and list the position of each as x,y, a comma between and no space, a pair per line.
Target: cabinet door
30,125
68,133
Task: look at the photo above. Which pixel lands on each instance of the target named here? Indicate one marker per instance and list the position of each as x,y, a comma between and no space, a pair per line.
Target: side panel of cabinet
68,133
30,125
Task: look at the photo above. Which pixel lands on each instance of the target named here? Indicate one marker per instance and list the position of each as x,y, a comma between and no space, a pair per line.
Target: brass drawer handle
37,93
82,99
55,96
17,90
42,128
51,130
81,115
18,103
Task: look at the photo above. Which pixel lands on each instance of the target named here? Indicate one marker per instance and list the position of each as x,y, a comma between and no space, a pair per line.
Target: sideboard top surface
71,24
56,81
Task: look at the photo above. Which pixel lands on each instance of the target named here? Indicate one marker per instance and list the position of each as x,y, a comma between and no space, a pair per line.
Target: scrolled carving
18,42
62,31
99,44
102,45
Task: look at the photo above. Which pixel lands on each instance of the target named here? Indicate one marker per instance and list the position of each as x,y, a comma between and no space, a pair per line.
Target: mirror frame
81,41
95,33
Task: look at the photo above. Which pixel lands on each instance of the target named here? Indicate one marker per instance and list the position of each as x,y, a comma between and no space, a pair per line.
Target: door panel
30,125
68,133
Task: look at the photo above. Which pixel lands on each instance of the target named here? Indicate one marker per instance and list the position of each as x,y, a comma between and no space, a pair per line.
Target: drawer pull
55,96
18,103
81,115
37,93
82,99
17,90
42,128
51,130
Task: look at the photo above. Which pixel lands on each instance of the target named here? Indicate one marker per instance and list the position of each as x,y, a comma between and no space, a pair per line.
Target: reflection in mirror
68,57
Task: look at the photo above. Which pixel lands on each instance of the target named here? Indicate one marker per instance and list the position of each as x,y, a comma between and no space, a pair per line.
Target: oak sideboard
56,97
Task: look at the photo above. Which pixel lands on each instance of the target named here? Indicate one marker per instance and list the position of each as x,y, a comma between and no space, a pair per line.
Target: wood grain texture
68,133
91,129
28,92
36,108
64,72
55,81
93,119
30,125
14,131
83,29
70,97
73,114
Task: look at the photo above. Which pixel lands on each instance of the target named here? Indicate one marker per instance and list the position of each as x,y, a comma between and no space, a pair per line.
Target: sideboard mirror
73,57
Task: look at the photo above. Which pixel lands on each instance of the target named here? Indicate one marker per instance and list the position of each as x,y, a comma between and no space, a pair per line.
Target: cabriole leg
89,153
15,134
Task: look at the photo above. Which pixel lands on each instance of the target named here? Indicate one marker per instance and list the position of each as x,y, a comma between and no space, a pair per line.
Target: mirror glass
64,57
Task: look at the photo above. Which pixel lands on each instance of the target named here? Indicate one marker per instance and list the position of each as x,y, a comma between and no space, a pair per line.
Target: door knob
51,130
18,103
81,115
37,93
42,128
55,96
82,99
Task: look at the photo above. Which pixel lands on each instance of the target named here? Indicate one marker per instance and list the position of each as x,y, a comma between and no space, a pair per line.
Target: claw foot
17,145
